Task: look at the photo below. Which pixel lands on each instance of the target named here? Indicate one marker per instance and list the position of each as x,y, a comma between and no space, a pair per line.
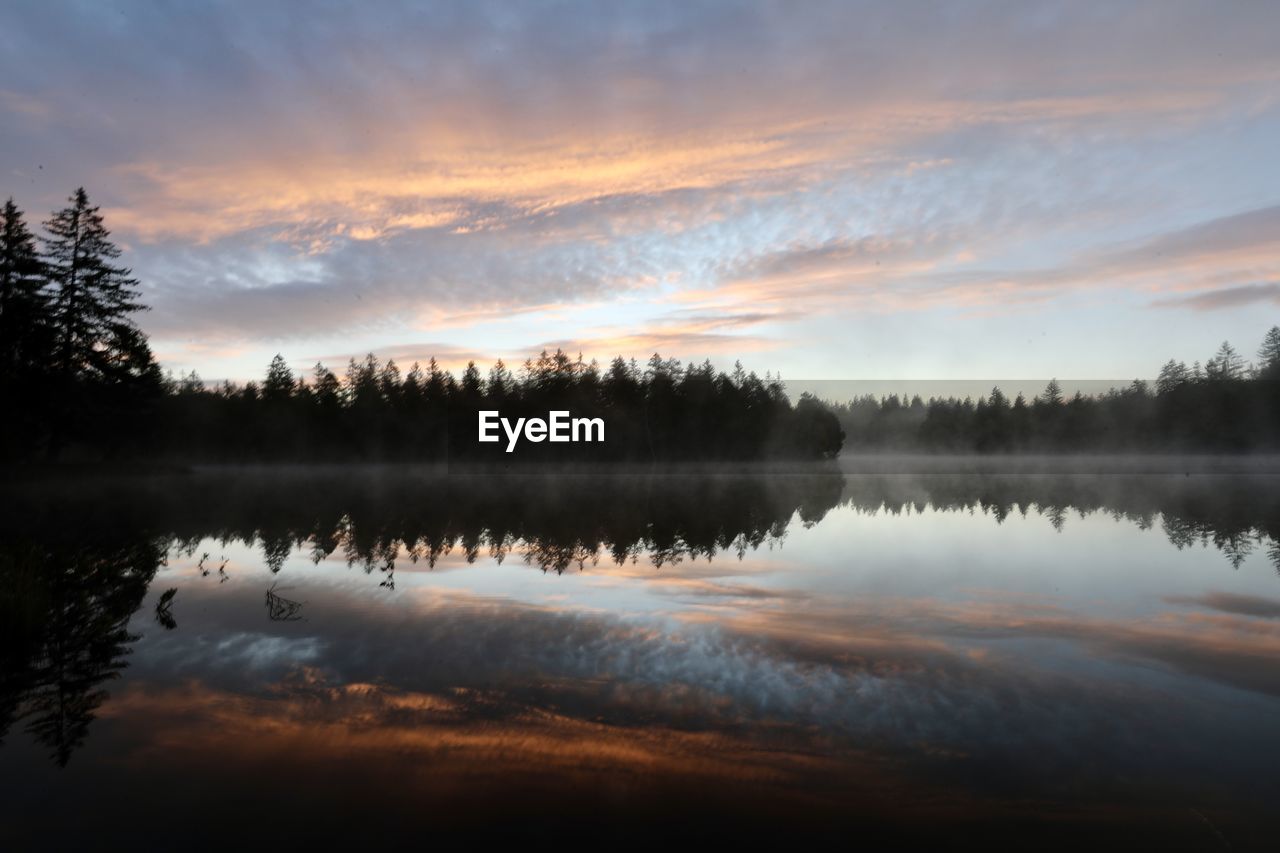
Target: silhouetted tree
1173,375
25,336
100,373
93,299
279,384
1269,355
24,319
1225,366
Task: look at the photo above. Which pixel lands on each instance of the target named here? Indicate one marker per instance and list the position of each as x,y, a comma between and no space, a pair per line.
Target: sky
822,190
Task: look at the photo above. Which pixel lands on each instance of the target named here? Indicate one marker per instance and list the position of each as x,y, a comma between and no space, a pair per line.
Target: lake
903,649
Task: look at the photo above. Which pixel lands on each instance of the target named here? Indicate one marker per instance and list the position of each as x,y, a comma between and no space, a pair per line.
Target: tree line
664,410
1223,405
80,379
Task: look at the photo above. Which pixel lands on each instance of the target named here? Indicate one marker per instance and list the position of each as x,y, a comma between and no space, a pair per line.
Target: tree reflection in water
76,563
64,618
559,524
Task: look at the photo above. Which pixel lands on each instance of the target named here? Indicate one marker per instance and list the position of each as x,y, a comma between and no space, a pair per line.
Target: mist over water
900,645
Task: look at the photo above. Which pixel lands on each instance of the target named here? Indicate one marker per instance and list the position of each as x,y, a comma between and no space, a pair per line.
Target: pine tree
362,383
23,308
472,386
279,384
501,382
1269,355
328,390
92,299
1173,375
390,383
1225,365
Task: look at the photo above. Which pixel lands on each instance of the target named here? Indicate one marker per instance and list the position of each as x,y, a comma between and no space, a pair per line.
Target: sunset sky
832,190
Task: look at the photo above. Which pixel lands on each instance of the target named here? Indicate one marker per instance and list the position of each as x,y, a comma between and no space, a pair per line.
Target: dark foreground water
921,653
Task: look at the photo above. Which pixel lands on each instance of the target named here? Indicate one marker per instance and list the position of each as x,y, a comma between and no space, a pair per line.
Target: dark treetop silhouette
667,411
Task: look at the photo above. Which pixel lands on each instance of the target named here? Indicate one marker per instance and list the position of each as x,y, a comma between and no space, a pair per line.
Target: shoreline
849,464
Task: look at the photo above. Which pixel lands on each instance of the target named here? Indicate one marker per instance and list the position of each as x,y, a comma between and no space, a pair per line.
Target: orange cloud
428,175
681,334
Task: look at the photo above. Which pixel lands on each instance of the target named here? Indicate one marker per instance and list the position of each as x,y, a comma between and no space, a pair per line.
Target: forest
664,411
80,383
1224,405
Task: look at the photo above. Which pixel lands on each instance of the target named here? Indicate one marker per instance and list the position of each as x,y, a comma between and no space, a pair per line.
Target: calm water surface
931,654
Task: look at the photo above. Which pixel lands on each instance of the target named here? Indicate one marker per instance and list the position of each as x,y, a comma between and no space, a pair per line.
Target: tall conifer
92,298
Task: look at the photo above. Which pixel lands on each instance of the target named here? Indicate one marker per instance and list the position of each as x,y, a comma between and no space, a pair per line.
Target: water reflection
65,617
744,665
1236,514
562,523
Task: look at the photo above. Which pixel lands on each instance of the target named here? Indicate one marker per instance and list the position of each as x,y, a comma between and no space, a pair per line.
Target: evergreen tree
412,386
190,383
390,383
1269,355
500,382
1173,375
92,299
471,386
363,390
1225,365
279,384
23,309
328,389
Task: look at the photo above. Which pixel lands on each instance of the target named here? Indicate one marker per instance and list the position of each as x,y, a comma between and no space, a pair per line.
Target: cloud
1228,297
689,333
379,170
908,272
